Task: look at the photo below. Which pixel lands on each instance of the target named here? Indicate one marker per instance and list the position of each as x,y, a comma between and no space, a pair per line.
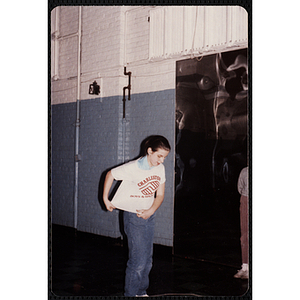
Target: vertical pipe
124,138
56,46
128,87
77,124
124,99
125,33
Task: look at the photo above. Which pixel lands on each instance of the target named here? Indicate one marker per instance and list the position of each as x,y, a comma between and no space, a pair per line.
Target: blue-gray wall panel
98,147
63,118
148,114
105,141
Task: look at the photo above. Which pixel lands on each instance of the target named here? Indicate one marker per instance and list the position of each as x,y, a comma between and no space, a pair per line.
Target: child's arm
160,194
109,179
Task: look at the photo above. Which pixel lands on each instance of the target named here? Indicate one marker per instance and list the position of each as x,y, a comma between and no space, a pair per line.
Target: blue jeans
140,245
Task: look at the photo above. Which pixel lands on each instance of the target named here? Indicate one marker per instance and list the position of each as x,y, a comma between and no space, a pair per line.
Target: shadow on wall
111,195
101,185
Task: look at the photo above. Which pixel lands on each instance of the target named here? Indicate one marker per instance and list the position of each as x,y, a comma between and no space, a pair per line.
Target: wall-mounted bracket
128,87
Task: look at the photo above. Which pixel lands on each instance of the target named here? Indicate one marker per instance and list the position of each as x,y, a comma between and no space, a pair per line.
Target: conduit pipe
77,123
128,87
56,46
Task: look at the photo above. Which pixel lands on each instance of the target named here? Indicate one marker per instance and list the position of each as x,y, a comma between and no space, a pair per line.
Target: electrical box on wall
94,88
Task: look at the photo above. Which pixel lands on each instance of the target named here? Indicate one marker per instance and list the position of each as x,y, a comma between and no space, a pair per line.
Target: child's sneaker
242,274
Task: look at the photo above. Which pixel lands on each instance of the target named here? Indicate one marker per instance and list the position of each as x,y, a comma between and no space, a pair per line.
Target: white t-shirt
243,182
138,186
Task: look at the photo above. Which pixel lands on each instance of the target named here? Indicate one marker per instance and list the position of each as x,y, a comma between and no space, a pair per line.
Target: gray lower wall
62,163
154,113
106,140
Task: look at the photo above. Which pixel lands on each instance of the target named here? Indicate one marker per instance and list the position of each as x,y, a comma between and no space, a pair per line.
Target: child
243,273
140,194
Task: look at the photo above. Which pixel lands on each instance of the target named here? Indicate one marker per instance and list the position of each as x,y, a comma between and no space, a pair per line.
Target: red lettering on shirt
150,188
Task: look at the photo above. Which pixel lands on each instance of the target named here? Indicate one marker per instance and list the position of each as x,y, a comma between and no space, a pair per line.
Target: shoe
242,274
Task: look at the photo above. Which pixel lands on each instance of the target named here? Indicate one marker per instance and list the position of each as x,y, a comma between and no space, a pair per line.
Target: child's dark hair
155,142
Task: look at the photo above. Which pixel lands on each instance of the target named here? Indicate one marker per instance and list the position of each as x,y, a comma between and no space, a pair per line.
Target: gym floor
84,264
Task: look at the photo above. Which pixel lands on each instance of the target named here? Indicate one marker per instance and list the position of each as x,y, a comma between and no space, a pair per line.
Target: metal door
211,150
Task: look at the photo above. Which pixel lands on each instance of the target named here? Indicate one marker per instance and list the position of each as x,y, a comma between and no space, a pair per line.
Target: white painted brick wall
101,38
101,57
137,34
105,52
68,58
68,23
112,37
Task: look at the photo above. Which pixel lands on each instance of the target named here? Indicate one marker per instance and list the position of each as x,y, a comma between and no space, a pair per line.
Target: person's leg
244,229
140,244
148,255
244,219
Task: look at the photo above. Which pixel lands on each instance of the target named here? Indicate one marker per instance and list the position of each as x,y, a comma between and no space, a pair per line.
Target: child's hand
144,213
109,205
